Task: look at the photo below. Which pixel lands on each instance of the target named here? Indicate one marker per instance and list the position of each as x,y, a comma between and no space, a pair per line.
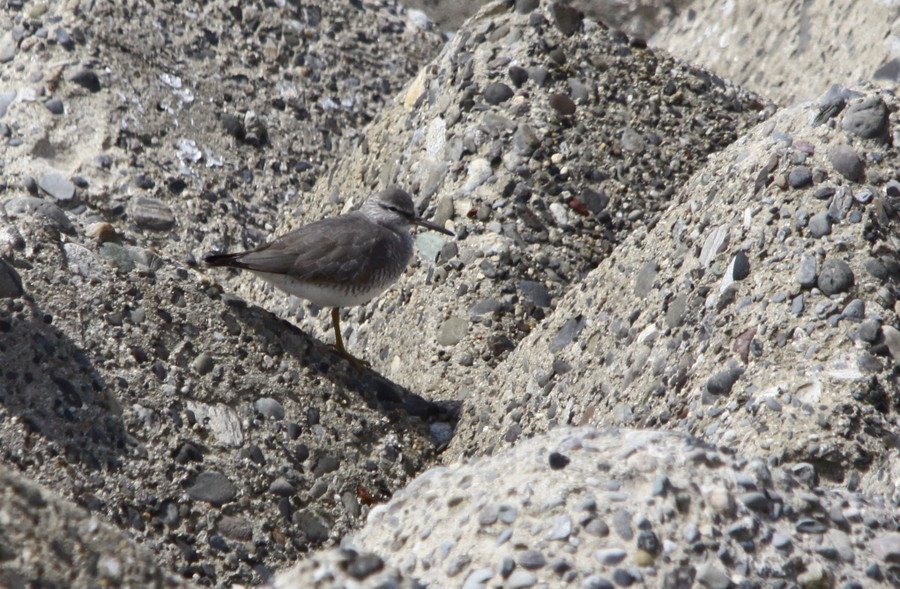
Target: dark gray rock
835,277
722,382
10,282
57,186
55,106
562,104
531,559
867,118
740,266
847,162
87,79
213,487
28,205
535,292
819,225
567,333
150,213
497,92
800,177
567,18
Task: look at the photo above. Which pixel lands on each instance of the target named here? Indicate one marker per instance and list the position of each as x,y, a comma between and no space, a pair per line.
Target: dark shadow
48,382
378,392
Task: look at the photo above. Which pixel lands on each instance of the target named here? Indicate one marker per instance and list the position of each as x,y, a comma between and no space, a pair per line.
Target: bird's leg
339,342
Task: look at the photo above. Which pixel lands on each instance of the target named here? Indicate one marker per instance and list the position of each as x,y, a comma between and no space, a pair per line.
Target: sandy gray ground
639,244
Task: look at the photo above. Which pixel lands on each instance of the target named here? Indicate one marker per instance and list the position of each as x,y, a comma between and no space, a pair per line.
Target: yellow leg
339,341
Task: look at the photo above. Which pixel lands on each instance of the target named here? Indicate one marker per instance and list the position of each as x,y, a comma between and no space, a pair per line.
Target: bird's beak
432,226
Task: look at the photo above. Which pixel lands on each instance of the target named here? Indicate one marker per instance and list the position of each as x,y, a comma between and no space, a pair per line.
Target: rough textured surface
663,334
789,51
84,551
612,265
226,441
537,198
584,508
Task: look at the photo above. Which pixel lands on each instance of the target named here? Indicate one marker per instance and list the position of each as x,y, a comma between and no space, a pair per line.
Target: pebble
623,577
101,231
567,18
57,186
711,575
364,564
7,48
806,273
846,162
886,547
269,408
497,92
283,487
721,383
520,579
892,340
452,331
535,292
855,310
835,277
203,363
755,501
739,268
621,523
55,106
868,118
477,578
150,213
10,282
824,193
562,104
567,333
610,556
87,79
800,177
597,582
212,487
518,75
531,559
819,225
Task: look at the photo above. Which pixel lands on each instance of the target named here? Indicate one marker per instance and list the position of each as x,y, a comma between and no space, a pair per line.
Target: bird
340,261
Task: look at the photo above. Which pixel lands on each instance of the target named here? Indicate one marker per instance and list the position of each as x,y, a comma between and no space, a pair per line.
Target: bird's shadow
379,393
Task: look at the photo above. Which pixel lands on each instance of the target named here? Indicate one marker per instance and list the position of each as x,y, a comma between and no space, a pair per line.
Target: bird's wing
320,252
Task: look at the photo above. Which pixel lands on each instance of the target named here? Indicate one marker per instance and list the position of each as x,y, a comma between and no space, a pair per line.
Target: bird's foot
357,363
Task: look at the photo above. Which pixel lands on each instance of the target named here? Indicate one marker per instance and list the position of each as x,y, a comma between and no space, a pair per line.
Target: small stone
269,408
610,556
57,186
477,578
846,162
532,559
892,340
867,118
781,541
364,564
819,225
855,310
558,461
520,579
518,75
150,213
525,140
740,266
711,575
562,104
497,92
755,501
10,282
101,231
824,193
535,292
721,383
886,547
526,6
835,277
55,106
567,333
282,486
86,79
596,582
597,527
236,528
800,177
567,18
203,363
811,526
452,331
507,566
212,487
623,577
621,521
806,273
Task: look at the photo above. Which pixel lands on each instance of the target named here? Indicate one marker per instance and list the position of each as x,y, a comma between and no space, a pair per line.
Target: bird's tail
228,260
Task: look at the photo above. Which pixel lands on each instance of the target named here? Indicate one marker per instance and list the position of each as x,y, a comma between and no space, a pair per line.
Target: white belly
319,295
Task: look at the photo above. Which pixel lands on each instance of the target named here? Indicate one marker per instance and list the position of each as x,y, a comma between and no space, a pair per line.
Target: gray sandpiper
340,261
